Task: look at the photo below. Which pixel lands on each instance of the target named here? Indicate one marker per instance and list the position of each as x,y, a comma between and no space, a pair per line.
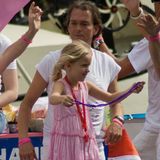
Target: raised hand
34,17
149,24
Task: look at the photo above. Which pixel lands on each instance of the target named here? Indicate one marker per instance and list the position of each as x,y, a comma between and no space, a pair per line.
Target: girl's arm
58,95
94,91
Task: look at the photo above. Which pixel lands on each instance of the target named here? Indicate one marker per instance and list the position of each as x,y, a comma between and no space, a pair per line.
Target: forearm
7,97
24,118
19,46
115,109
120,96
15,50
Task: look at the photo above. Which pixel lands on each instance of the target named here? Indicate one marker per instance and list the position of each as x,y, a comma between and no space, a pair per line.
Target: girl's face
78,70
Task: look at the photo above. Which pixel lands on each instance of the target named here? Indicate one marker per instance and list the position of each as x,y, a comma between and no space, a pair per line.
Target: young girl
72,135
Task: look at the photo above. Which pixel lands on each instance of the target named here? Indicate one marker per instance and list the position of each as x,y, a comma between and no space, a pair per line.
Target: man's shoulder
55,53
50,58
102,56
52,55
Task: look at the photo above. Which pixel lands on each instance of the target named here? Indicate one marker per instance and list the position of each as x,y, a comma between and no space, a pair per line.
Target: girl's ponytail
70,53
57,72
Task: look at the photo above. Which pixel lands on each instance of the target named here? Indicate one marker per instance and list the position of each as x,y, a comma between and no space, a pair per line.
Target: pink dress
67,142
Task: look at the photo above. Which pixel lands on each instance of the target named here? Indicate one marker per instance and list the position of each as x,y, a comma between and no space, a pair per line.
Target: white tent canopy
43,42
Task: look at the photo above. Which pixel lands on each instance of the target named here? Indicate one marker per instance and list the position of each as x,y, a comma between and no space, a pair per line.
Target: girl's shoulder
84,86
60,82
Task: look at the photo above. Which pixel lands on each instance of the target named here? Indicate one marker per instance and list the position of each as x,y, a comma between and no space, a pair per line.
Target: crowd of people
78,79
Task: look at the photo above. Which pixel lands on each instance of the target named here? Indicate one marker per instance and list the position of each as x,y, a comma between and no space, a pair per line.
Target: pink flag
8,8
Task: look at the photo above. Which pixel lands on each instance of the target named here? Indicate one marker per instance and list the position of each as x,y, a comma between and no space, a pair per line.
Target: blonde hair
70,53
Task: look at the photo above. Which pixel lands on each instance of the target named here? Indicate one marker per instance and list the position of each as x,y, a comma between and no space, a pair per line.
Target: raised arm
17,48
152,27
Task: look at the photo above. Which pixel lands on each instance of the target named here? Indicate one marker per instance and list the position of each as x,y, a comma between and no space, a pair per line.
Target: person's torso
70,120
141,60
4,44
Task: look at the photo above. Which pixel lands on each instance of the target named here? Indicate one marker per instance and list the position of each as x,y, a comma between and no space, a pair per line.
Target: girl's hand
26,151
34,17
139,87
67,100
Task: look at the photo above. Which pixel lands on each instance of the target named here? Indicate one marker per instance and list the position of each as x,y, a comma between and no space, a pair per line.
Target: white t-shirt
103,70
141,60
4,43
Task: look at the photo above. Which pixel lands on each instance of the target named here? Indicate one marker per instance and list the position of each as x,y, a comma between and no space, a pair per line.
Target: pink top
67,140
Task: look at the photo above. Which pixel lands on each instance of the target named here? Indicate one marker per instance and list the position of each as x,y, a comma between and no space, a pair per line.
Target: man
145,56
83,22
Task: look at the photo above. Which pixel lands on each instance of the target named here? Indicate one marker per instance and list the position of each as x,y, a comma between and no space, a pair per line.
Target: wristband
140,14
154,38
25,39
97,42
99,38
120,118
23,141
117,121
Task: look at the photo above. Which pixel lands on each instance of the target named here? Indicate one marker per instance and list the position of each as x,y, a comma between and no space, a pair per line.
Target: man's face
81,26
